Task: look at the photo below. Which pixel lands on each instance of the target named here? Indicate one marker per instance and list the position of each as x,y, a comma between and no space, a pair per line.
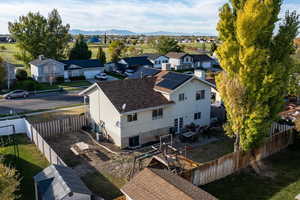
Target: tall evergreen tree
166,44
115,49
101,55
80,50
36,35
257,66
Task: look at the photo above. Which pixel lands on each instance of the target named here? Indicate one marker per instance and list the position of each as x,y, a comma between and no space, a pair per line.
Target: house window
200,94
157,114
181,97
132,117
157,62
197,116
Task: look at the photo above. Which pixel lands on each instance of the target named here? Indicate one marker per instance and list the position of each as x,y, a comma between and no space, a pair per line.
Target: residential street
40,101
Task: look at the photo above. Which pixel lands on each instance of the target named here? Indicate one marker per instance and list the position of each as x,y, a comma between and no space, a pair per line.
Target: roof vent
200,74
41,57
124,106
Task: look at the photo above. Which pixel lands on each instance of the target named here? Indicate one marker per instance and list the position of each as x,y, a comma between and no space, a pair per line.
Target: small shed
161,184
57,182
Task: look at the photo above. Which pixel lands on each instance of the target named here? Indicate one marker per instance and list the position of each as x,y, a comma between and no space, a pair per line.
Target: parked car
129,72
189,73
16,94
101,76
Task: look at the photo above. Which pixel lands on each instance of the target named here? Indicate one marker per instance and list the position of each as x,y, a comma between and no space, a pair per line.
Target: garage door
90,74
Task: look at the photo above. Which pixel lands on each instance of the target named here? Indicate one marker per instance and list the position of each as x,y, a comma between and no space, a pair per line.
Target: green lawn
30,163
104,185
283,184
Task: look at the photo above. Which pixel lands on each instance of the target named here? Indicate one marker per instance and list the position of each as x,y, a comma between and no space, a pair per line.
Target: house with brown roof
180,60
161,184
133,112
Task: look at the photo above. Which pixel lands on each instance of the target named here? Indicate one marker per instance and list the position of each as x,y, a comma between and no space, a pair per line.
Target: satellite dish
124,106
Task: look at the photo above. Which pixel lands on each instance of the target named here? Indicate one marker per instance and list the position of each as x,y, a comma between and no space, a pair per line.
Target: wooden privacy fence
58,127
230,163
45,148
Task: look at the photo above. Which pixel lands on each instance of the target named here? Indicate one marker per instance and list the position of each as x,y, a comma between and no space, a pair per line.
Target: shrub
3,48
77,78
29,85
9,183
21,75
60,79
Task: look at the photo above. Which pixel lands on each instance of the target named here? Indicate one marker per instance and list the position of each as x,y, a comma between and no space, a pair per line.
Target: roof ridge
171,183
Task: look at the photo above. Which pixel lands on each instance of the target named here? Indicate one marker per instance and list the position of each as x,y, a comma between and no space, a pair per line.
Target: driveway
40,102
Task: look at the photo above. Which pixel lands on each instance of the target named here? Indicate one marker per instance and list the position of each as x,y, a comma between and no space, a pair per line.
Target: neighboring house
60,183
133,112
45,70
156,59
161,184
144,72
203,61
135,62
180,61
86,68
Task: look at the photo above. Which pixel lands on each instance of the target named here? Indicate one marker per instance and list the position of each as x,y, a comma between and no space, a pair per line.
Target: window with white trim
132,117
157,114
181,97
200,94
197,116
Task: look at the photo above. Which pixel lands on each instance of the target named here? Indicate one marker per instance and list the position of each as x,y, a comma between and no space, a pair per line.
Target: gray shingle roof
39,62
151,56
202,58
137,61
144,72
55,182
136,94
92,63
177,55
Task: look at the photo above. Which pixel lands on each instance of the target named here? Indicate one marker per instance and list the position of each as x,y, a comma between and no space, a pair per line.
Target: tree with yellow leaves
257,66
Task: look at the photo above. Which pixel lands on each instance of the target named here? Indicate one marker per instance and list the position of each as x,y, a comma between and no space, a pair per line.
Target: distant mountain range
126,32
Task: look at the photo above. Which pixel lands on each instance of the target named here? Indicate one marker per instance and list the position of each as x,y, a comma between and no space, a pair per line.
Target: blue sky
135,15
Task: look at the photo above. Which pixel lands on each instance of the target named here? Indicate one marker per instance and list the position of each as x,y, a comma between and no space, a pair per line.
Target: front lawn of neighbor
279,181
30,163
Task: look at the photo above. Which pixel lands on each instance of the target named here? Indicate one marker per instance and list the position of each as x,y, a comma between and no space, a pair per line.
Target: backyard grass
30,163
104,185
211,151
284,184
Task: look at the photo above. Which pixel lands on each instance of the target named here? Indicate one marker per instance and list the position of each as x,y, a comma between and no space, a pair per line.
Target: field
7,51
30,163
279,181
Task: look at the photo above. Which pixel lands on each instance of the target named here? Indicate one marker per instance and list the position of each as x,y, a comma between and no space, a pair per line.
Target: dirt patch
96,160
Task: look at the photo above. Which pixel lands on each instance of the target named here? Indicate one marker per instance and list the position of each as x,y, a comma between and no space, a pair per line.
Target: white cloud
134,15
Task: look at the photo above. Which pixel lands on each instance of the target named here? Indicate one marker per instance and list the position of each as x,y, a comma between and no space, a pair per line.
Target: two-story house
133,112
179,60
156,59
44,69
